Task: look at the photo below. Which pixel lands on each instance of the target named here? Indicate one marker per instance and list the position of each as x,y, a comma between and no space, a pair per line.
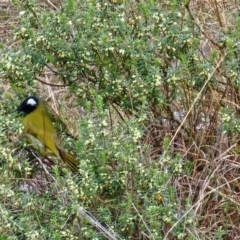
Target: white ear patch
31,102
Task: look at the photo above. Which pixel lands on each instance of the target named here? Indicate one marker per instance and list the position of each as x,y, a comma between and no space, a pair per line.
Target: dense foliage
150,107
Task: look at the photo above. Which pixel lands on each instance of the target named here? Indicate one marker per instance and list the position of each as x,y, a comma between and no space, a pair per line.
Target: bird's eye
31,102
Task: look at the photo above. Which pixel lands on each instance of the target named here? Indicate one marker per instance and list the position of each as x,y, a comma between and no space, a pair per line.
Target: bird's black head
28,105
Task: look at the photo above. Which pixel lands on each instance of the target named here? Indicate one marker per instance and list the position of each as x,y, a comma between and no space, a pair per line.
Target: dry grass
194,130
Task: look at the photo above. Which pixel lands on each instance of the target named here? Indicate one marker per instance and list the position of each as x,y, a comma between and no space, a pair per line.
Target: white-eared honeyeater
40,131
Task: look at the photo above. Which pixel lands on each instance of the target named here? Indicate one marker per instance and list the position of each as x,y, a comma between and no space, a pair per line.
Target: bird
41,133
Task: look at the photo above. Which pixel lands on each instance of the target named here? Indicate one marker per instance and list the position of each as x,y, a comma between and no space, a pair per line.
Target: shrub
157,142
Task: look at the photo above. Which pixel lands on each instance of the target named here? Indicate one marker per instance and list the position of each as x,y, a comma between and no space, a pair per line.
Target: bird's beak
15,110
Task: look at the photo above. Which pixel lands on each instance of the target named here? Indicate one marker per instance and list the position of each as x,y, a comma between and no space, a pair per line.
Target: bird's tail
70,160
